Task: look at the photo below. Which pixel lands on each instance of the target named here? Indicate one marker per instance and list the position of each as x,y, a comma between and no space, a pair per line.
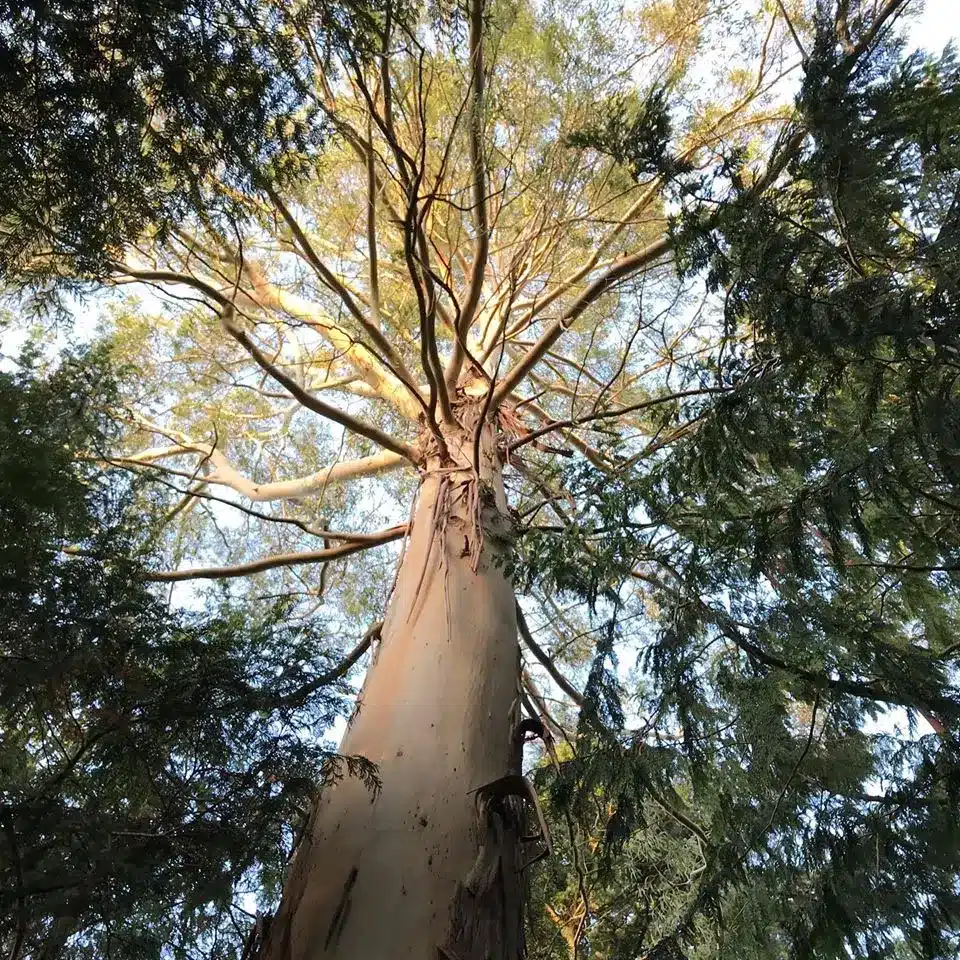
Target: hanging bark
431,866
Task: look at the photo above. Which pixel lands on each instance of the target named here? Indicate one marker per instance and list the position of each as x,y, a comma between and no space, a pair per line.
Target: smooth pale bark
425,870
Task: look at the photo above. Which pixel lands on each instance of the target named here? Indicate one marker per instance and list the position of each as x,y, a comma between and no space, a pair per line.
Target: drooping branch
297,696
197,493
278,560
173,277
868,690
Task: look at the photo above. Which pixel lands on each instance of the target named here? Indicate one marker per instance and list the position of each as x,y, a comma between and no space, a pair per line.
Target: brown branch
480,218
313,403
171,276
913,567
396,364
372,233
540,706
678,815
562,682
891,9
343,536
611,414
842,27
856,688
277,560
331,676
793,33
622,269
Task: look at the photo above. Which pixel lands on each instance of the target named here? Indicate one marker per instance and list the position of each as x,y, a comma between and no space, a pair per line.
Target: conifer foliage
154,765
113,114
800,549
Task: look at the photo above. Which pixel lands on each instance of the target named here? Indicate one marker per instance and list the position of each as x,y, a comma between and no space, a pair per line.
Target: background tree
154,765
115,113
478,274
800,556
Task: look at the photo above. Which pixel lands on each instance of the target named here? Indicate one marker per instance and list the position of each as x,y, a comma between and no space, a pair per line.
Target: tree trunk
430,867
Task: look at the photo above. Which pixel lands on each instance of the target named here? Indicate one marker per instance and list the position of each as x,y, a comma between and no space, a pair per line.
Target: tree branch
480,218
623,268
278,560
562,682
372,330
611,414
331,676
227,475
793,33
342,536
313,403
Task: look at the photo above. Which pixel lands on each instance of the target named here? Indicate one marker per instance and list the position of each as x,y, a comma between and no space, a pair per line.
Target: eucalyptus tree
474,282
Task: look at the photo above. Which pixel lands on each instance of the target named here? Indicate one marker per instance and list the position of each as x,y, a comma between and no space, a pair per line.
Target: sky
936,25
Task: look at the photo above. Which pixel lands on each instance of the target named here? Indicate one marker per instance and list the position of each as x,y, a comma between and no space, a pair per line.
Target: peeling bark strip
486,918
436,861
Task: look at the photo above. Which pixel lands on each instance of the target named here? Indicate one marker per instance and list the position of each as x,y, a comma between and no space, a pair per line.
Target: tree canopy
695,265
116,116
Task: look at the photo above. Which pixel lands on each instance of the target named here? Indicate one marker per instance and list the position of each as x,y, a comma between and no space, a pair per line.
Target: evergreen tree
117,118
799,547
154,765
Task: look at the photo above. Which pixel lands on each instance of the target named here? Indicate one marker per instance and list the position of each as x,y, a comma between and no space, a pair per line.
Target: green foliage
635,135
120,117
154,765
801,551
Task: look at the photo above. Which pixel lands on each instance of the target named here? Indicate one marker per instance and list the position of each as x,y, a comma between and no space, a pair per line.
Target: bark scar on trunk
519,786
343,908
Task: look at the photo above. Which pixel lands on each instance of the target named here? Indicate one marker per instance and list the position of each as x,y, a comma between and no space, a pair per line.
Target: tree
800,553
480,270
113,114
153,767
